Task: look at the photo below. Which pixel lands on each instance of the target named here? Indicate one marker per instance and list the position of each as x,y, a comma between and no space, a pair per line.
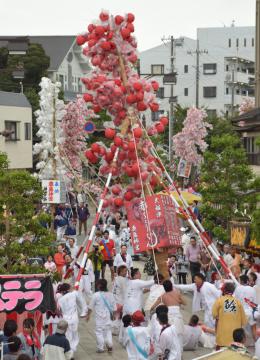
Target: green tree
20,193
226,179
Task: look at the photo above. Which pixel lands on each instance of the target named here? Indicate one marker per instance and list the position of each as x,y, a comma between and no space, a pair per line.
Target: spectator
227,256
83,215
108,252
10,328
246,267
50,264
230,315
59,258
57,346
123,259
14,348
97,260
31,344
239,337
81,198
182,266
193,256
205,262
73,249
196,210
169,342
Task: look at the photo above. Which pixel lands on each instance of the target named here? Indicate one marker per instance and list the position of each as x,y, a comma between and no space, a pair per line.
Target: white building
16,129
67,64
225,67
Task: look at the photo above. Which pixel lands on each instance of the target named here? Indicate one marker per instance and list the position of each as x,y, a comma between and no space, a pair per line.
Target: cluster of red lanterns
158,127
107,91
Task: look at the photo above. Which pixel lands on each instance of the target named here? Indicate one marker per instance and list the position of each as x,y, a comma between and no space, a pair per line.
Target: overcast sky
154,18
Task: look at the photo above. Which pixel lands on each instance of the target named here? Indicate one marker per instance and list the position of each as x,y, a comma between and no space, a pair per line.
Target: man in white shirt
123,259
134,293
169,341
156,291
73,248
119,292
228,258
242,292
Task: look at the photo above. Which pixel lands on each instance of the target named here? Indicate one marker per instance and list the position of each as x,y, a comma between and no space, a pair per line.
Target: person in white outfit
104,305
119,292
138,343
169,341
134,294
123,259
242,292
73,248
155,329
71,305
204,297
156,291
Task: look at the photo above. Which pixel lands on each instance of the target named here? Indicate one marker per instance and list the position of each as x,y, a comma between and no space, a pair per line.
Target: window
209,91
156,115
160,92
27,131
211,113
227,91
186,68
227,67
229,43
238,91
209,69
12,127
244,42
61,80
237,42
249,144
253,42
186,91
157,69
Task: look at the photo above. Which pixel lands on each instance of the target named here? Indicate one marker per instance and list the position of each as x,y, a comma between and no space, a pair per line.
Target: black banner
26,293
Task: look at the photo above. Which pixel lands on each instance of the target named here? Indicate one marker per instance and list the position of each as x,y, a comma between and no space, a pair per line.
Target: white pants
104,336
72,335
208,319
60,232
176,319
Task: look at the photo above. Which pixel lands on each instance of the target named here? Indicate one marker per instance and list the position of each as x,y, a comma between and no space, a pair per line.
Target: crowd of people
146,315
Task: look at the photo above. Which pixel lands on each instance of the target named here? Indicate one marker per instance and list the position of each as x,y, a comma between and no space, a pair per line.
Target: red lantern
95,148
130,27
103,16
164,120
105,203
119,19
137,86
88,97
138,132
138,185
99,30
153,181
130,17
139,96
125,33
91,27
131,146
89,154
135,169
141,106
109,156
102,151
118,141
144,175
118,202
116,190
106,45
154,107
122,156
81,40
110,133
155,85
159,127
96,108
129,195
130,99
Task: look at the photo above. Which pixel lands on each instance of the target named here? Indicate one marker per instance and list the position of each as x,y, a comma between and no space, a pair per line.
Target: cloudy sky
154,18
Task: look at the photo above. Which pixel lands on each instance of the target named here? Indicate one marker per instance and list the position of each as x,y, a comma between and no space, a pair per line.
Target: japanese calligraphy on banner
163,220
184,168
21,294
54,192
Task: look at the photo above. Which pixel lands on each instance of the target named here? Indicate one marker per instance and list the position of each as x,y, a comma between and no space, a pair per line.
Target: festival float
130,164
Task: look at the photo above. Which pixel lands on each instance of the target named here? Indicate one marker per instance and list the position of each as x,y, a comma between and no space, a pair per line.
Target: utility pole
233,90
257,55
198,52
171,102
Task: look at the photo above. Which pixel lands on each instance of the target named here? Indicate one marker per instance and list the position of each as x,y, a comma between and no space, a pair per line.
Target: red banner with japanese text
158,226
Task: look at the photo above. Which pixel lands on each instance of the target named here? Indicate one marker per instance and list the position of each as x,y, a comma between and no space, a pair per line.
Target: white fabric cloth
257,349
228,258
191,337
246,291
134,295
155,331
73,251
203,299
156,291
69,304
170,341
176,319
119,289
118,261
142,337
